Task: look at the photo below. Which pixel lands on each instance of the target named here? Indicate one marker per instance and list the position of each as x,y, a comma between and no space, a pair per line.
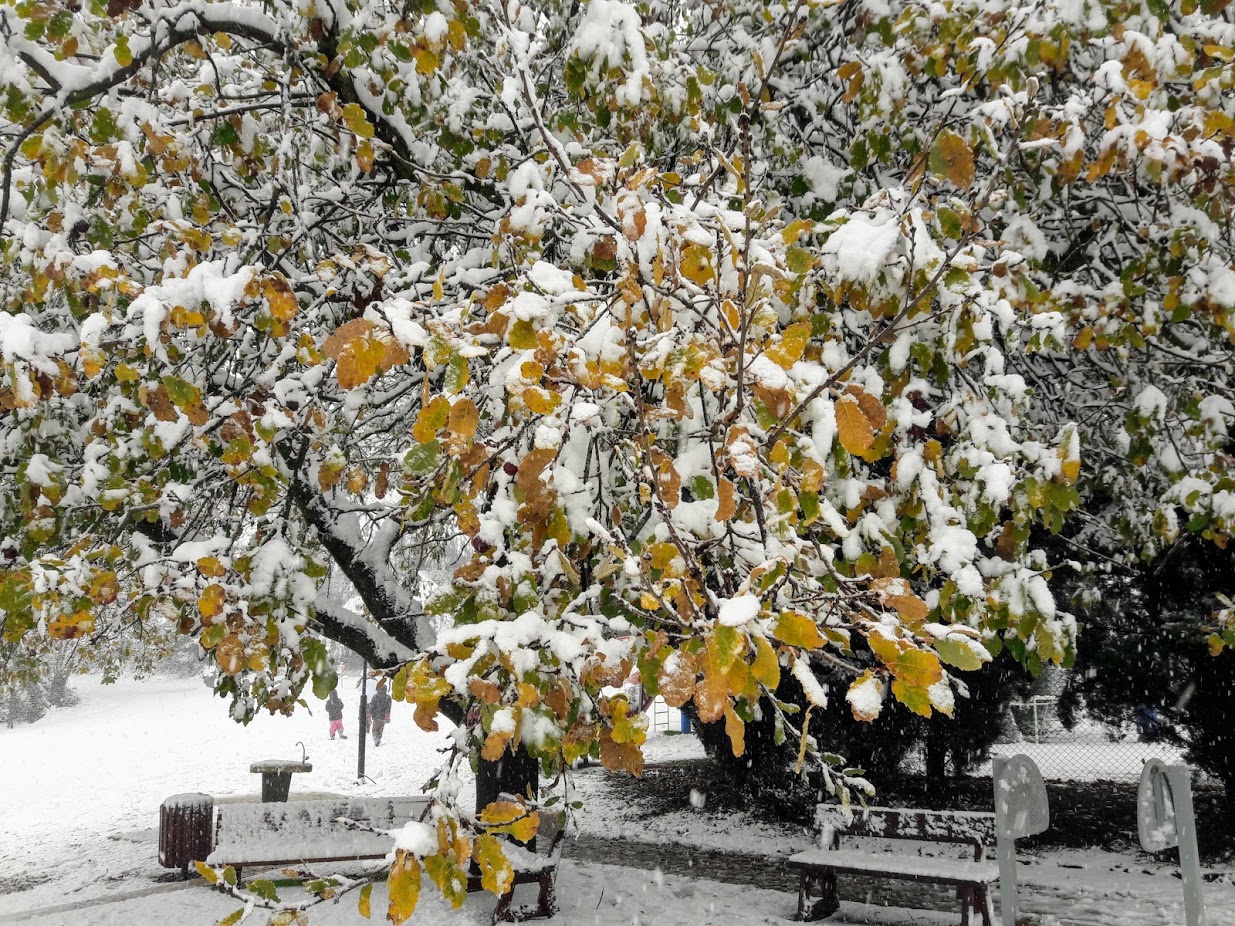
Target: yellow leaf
427,60
796,629
919,668
210,567
496,873
735,730
1070,470
464,418
365,156
541,401
522,335
852,426
792,345
712,694
280,298
91,361
431,418
360,362
207,872
696,263
1216,644
512,818
766,667
962,654
403,887
364,907
662,554
913,697
211,601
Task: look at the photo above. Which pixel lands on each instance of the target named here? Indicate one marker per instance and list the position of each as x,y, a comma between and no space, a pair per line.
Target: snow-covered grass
80,791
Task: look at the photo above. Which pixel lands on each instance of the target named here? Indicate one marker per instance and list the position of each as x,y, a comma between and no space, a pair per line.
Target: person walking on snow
379,712
334,711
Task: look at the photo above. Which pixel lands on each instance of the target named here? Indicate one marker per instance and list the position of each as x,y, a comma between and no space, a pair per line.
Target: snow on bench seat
308,831
901,867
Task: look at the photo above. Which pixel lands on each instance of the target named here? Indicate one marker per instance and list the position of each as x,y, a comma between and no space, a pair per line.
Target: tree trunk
516,773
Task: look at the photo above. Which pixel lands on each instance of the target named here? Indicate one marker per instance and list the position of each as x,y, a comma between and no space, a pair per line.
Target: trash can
186,830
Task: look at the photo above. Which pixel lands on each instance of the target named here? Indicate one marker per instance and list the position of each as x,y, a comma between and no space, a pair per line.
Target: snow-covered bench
1020,810
302,832
972,877
531,868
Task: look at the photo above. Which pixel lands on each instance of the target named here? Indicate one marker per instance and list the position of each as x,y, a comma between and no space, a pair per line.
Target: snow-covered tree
701,321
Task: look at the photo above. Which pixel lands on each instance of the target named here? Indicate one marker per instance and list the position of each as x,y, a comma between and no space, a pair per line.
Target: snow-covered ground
80,791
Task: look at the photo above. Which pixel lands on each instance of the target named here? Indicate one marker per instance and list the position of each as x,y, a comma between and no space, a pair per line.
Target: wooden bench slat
898,867
962,826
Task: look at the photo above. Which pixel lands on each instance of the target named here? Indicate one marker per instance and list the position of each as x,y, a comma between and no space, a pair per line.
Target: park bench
305,832
1021,810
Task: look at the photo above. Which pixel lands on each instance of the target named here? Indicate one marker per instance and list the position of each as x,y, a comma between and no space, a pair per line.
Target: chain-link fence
1088,751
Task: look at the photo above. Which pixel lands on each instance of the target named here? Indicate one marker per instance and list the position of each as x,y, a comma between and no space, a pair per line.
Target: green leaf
180,392
423,459
809,502
960,654
225,134
325,682
264,889
702,488
124,57
798,260
232,918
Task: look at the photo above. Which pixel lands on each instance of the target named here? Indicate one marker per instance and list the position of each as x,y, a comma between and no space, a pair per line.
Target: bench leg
547,902
982,901
964,895
829,901
502,912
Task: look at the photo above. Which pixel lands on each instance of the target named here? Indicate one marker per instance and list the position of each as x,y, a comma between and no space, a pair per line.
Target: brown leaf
344,335
727,500
957,159
872,408
620,756
677,680
159,402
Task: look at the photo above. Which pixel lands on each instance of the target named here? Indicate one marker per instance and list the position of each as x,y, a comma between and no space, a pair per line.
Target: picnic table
277,777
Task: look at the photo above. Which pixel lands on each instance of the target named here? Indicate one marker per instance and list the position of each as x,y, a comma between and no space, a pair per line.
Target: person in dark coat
334,711
379,712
